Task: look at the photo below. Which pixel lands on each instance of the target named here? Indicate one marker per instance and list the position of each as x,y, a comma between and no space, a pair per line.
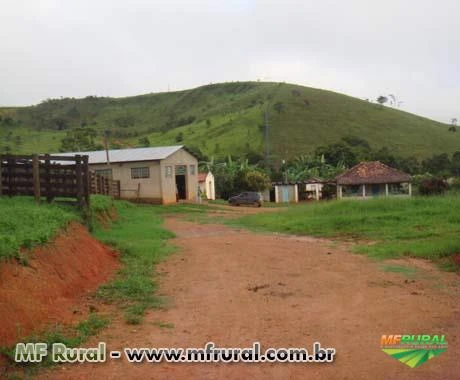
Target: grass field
23,223
390,228
228,118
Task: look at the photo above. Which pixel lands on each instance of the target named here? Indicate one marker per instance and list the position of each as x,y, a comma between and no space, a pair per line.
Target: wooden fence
103,185
53,176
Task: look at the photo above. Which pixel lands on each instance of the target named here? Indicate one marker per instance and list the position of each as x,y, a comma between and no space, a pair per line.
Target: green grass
70,336
228,120
24,224
390,228
139,236
409,272
164,325
101,203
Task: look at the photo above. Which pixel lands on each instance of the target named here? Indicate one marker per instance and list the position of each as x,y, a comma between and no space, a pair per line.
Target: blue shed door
285,192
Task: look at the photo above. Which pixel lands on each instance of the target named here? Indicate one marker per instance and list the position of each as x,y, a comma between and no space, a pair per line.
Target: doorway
375,190
181,186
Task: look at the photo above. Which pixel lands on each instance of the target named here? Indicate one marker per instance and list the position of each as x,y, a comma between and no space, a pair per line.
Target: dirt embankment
50,288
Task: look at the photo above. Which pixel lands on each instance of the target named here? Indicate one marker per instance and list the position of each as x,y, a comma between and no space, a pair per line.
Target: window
168,171
107,173
192,169
181,169
140,173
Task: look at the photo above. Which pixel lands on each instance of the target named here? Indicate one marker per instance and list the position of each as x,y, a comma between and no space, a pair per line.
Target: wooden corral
53,176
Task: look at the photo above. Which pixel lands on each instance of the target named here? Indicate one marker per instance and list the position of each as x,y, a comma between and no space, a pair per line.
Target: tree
144,141
438,164
336,154
179,137
433,186
394,101
454,121
79,139
382,100
456,164
279,107
256,180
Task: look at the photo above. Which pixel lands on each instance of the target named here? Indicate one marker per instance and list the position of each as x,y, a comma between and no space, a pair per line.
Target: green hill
227,118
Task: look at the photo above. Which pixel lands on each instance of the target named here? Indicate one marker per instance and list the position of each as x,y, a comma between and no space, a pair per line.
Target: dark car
246,198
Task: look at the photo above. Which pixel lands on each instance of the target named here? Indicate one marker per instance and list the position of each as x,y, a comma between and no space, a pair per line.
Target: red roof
202,177
372,172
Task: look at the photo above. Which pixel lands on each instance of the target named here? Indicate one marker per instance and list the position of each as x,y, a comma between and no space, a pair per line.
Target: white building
207,185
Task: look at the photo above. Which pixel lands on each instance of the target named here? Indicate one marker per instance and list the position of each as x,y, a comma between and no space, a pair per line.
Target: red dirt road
308,290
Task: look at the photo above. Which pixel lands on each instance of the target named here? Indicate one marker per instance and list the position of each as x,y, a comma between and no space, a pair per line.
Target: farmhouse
207,185
156,175
370,179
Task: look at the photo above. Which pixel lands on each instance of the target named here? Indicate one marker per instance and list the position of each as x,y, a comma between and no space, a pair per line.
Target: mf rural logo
413,350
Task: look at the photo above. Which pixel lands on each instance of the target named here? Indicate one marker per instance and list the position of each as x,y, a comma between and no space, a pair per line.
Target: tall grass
421,227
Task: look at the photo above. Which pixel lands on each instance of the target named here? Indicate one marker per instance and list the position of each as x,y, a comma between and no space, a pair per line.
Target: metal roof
127,155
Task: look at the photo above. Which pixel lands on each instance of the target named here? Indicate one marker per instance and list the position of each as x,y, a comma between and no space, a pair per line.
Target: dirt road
235,287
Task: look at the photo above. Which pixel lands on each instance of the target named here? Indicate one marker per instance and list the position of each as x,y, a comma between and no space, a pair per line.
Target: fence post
79,179
36,177
10,176
86,179
49,190
100,189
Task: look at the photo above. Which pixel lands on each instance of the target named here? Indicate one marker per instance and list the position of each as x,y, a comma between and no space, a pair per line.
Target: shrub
433,186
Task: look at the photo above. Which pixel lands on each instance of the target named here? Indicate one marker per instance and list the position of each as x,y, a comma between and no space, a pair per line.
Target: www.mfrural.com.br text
209,353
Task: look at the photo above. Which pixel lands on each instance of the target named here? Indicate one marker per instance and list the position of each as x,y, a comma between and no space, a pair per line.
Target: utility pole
106,146
267,137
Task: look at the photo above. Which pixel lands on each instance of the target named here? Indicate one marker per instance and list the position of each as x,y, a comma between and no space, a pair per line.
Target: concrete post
339,191
317,191
364,191
410,189
296,193
386,189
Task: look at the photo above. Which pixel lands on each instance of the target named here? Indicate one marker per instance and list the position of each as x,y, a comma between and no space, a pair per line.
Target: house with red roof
371,179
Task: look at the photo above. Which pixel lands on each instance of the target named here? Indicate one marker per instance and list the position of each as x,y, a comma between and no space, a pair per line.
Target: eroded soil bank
52,287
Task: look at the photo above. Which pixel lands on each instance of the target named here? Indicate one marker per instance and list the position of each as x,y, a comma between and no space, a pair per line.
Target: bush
433,186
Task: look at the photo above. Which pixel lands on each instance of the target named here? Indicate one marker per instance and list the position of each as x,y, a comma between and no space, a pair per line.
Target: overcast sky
364,48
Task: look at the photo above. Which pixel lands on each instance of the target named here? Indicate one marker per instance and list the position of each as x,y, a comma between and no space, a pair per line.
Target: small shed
285,192
313,188
207,185
373,179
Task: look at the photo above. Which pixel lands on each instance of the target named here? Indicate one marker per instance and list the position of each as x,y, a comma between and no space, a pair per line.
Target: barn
160,175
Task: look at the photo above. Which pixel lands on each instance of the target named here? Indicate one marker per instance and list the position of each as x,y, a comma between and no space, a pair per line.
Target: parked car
246,198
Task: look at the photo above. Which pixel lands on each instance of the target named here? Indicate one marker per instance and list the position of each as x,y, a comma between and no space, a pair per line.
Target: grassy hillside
226,119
